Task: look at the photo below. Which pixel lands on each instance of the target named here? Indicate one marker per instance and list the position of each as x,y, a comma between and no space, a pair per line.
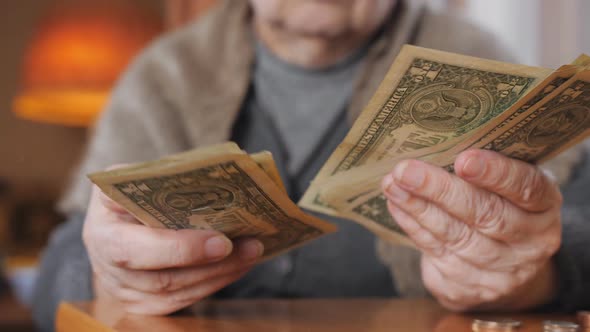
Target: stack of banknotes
434,105
431,106
214,188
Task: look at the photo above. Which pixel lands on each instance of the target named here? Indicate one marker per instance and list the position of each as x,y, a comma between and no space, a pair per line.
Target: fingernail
387,182
397,194
251,249
473,167
409,177
217,247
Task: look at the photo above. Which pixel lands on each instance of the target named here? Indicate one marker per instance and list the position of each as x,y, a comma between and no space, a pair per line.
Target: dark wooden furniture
284,315
13,316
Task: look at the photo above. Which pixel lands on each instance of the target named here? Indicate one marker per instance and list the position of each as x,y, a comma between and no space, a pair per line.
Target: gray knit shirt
303,103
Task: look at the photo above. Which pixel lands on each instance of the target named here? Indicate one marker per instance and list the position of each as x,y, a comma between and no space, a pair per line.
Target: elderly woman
289,76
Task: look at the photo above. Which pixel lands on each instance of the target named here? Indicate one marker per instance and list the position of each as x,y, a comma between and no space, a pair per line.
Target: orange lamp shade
78,52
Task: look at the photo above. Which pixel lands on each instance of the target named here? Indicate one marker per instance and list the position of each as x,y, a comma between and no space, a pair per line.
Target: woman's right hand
158,271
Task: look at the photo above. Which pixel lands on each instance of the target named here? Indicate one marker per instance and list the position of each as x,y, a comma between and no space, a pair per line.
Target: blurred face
323,18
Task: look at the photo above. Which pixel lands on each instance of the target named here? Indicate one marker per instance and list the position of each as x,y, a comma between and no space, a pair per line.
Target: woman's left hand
487,234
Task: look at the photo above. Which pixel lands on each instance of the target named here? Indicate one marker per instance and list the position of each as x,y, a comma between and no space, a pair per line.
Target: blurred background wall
539,32
34,158
26,147
35,162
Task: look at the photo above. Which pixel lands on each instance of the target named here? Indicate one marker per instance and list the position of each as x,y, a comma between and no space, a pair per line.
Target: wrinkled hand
158,271
487,234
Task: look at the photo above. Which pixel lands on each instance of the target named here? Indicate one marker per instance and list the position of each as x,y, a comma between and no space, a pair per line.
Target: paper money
428,98
431,106
266,162
583,60
355,193
369,175
219,188
559,121
537,133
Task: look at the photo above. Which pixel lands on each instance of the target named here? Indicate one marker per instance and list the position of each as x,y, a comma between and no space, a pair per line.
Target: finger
135,246
112,207
139,247
107,201
453,306
452,235
523,184
170,280
479,208
422,238
162,304
106,287
102,208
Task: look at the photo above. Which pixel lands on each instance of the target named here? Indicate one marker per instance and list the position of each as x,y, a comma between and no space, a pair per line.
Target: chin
320,31
323,18
320,21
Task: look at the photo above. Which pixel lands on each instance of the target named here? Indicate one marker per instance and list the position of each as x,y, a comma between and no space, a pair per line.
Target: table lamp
78,51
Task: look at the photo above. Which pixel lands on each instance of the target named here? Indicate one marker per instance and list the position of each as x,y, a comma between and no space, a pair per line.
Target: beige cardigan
186,90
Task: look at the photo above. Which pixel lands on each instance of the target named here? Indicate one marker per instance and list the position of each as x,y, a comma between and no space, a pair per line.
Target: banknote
427,98
370,210
560,120
265,160
372,173
553,125
582,60
557,123
219,188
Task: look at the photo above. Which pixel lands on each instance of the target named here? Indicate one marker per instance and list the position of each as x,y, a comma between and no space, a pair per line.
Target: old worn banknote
548,128
265,160
219,188
370,174
555,124
558,121
582,60
428,98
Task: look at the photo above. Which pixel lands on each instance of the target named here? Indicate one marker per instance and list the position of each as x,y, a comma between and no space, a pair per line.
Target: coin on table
495,325
558,326
584,319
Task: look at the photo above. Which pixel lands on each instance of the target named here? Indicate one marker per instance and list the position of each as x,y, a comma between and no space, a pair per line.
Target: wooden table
13,316
284,315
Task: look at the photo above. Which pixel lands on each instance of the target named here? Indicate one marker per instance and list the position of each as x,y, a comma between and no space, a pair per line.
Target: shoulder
452,33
